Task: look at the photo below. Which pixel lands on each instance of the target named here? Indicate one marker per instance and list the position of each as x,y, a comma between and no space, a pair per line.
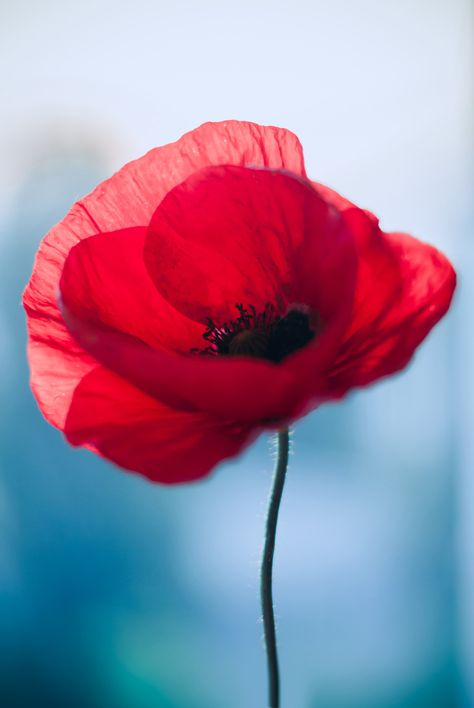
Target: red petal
424,282
130,197
232,235
142,435
106,279
311,258
127,199
249,391
404,287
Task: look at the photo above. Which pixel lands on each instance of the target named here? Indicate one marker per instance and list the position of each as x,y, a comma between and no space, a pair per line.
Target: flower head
209,291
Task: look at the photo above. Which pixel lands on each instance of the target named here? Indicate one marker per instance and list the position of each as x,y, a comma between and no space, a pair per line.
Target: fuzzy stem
267,567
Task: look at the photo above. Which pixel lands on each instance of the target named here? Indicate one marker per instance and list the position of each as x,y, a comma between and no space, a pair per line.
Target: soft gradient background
118,594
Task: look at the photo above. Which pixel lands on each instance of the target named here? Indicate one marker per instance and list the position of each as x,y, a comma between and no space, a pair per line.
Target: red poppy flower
209,291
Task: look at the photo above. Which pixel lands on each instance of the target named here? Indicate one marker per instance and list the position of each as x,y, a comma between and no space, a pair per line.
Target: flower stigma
263,335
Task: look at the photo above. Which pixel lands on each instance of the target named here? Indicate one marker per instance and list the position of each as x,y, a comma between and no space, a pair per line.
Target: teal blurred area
115,593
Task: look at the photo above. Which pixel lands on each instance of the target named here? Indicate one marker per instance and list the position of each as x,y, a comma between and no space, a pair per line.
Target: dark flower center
265,335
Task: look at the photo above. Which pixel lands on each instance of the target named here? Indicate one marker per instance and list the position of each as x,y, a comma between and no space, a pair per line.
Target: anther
264,335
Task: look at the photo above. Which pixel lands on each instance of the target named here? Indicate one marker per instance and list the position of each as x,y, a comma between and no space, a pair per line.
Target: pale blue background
116,593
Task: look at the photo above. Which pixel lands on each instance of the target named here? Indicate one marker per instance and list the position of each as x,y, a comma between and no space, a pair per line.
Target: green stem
267,567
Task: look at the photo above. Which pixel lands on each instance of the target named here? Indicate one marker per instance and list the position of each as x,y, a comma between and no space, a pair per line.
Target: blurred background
115,593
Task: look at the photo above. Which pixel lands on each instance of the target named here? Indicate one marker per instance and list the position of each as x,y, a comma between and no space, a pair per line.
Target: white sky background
378,91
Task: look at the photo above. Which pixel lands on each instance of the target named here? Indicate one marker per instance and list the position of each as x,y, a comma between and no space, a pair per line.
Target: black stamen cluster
265,335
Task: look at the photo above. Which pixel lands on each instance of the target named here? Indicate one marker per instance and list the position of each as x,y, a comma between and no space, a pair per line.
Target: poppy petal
105,277
414,284
240,235
423,283
231,388
128,199
136,432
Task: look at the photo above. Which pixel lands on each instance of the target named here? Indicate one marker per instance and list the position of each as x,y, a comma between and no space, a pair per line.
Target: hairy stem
267,568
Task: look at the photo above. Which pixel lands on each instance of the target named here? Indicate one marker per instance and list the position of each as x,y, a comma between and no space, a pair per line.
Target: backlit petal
249,391
136,432
236,235
404,287
105,277
128,199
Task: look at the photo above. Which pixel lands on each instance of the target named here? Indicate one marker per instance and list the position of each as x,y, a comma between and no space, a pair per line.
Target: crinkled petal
404,287
249,391
423,285
232,235
136,432
128,199
105,277
301,252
